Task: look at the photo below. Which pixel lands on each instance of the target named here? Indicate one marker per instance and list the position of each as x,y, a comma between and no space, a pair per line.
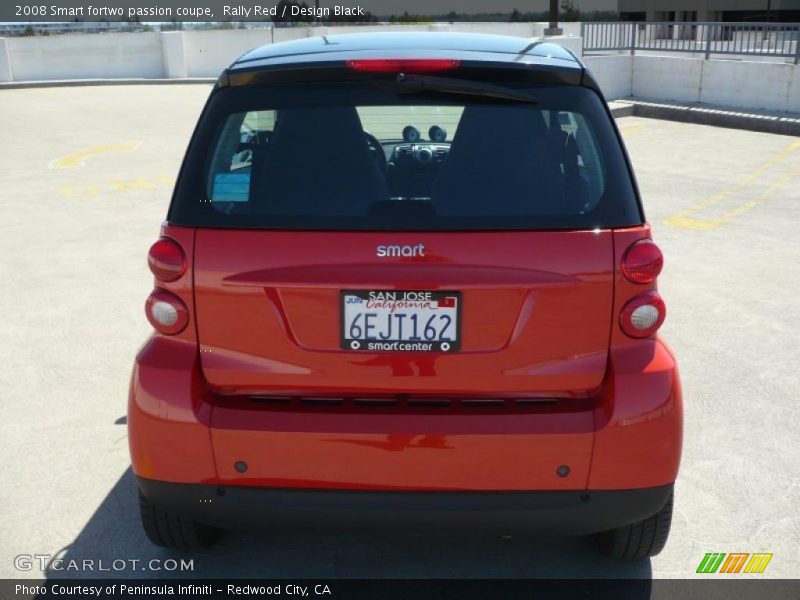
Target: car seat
317,162
500,163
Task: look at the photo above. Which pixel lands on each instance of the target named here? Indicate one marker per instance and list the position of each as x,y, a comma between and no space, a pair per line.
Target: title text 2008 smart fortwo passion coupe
406,275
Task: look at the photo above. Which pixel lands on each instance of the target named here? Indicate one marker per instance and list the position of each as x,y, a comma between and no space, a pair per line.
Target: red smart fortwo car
406,277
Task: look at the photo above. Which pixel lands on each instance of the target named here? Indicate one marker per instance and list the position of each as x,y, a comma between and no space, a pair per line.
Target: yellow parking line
631,130
165,180
87,190
684,218
689,223
739,210
128,185
93,189
77,159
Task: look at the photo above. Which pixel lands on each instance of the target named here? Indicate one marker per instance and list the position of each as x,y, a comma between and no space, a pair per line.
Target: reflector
166,312
643,315
642,262
166,259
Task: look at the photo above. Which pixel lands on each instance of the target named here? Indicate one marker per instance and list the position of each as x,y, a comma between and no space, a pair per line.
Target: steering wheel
376,151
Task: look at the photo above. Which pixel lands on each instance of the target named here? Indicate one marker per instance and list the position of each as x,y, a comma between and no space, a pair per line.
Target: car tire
640,539
169,529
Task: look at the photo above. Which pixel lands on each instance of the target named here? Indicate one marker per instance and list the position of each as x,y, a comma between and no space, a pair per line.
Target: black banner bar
278,11
712,588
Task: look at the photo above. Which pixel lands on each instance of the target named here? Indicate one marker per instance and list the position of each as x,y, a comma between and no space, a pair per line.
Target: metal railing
780,40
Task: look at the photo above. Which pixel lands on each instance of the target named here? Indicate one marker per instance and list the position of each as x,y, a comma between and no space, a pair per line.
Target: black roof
464,46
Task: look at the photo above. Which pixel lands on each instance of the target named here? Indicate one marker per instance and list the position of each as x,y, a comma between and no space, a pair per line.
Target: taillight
642,262
403,65
643,315
166,312
166,259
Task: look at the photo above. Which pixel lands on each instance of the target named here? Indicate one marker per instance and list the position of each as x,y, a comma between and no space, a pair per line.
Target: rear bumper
564,512
628,438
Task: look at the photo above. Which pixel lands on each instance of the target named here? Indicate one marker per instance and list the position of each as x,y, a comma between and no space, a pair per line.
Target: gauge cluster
421,154
412,163
411,134
435,134
419,151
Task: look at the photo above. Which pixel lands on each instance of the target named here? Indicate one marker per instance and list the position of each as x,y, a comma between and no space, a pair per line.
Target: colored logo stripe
712,562
734,562
758,562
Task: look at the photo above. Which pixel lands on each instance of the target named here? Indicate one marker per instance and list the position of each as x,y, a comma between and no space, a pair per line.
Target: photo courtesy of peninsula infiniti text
406,280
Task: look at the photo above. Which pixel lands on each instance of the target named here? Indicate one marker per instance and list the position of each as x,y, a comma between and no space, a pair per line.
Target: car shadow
113,533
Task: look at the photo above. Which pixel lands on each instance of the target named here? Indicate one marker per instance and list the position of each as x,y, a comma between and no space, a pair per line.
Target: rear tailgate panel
536,311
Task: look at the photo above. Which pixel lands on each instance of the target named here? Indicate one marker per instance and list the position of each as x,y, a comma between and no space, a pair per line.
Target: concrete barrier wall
614,74
107,55
793,100
184,53
207,53
730,83
5,62
173,52
572,29
751,85
516,29
654,76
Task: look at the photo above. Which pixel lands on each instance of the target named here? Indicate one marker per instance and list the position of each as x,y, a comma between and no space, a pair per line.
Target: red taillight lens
166,312
642,316
642,262
166,259
403,65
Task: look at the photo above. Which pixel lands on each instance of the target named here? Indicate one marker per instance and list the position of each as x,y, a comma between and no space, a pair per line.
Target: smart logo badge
735,562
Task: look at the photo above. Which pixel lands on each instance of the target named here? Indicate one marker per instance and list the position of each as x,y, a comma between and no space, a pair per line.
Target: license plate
401,321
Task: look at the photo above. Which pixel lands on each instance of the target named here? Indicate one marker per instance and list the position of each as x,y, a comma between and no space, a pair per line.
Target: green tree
569,12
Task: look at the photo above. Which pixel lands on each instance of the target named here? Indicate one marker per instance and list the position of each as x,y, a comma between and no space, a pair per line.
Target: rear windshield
356,156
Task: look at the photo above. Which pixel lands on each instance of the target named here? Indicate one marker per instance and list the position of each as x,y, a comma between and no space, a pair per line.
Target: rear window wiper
413,84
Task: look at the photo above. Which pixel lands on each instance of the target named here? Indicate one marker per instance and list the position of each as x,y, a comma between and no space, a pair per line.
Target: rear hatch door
534,311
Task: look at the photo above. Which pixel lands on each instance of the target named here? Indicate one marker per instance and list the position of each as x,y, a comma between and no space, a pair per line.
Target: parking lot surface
85,180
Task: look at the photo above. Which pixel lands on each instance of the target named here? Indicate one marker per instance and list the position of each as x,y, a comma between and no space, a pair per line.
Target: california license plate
401,321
